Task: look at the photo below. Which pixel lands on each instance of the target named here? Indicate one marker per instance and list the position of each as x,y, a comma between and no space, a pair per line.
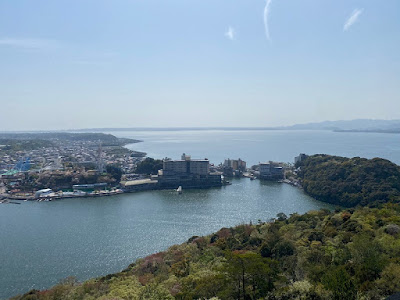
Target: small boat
179,190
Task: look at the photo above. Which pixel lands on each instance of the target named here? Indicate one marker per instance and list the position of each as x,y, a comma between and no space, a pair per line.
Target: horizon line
182,128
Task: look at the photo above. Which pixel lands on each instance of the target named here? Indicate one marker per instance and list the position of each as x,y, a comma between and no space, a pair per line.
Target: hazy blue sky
121,63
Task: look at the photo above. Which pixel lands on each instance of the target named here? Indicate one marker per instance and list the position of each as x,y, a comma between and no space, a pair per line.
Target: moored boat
179,190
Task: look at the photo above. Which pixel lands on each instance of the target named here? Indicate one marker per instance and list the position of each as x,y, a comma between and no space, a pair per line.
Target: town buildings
271,171
235,164
187,172
89,187
233,167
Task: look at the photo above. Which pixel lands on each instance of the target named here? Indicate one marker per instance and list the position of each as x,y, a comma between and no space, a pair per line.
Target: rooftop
188,160
139,182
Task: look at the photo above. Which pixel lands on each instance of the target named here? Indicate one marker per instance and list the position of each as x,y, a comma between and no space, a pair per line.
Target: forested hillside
319,255
350,181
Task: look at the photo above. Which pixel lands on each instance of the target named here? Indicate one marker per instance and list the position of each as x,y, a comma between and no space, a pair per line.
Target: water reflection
43,242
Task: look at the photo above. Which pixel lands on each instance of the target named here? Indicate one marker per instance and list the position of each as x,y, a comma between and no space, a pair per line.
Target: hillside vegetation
12,145
350,181
105,139
347,254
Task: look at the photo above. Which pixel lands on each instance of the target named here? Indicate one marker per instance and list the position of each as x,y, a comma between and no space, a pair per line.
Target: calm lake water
43,242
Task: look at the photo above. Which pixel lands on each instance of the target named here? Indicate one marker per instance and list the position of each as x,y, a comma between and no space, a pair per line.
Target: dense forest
345,254
350,181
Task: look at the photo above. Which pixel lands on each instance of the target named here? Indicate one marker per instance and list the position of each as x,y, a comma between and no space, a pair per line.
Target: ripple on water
43,242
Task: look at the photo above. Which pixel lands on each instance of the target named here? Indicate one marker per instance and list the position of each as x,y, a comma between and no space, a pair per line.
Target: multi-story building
172,167
300,158
235,164
199,167
187,173
271,171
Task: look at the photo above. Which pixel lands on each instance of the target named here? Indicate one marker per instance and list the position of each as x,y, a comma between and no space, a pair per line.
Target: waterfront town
66,167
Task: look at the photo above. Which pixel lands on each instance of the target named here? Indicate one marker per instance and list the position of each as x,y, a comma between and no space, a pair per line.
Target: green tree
115,172
340,283
250,274
149,166
368,258
350,181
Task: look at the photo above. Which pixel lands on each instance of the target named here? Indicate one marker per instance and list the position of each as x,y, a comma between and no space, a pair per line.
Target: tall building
187,173
300,158
184,167
271,171
235,164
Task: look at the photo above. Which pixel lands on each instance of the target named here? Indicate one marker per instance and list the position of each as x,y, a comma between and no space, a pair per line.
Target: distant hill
361,125
350,181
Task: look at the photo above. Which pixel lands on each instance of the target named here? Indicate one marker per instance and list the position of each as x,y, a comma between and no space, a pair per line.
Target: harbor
79,235
127,226
185,173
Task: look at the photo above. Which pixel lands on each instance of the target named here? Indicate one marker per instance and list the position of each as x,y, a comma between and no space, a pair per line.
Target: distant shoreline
368,131
355,125
169,129
233,129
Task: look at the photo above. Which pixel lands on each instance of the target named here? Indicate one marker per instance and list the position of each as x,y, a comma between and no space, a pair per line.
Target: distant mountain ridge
366,125
359,125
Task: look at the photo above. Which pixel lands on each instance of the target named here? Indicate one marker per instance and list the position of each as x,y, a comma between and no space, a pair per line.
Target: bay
256,146
44,242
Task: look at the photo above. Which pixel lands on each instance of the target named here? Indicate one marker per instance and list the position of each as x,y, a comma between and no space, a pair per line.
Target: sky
70,64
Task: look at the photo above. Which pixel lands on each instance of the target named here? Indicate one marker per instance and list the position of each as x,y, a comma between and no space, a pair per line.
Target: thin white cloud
27,43
352,19
266,14
230,34
78,55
